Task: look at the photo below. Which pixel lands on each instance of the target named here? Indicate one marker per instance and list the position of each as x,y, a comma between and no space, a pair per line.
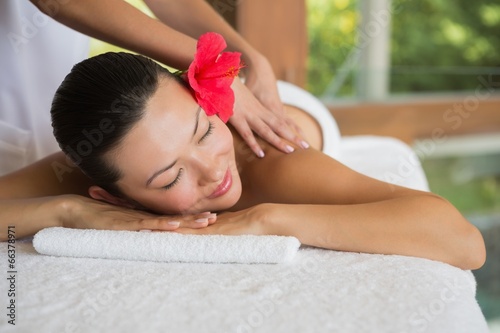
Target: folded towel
165,246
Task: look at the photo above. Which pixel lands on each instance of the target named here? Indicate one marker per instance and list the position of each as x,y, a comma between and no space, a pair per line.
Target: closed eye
203,138
209,131
176,180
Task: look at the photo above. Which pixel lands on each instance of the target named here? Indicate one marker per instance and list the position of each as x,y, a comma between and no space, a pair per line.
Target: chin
233,196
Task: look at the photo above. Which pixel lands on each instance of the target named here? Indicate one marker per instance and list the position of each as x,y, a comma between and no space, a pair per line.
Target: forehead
170,96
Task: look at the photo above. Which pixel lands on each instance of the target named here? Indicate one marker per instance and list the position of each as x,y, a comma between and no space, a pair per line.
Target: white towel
165,246
292,95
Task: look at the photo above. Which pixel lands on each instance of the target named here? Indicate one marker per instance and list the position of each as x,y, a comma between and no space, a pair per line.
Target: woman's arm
325,204
28,216
52,192
417,225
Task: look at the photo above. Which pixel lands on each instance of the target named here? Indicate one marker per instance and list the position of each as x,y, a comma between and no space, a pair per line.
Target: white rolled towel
164,246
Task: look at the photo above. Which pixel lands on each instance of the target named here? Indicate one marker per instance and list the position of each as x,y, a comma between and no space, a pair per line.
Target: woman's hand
258,108
84,213
256,220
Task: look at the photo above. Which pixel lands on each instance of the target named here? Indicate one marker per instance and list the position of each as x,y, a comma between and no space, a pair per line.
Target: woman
137,131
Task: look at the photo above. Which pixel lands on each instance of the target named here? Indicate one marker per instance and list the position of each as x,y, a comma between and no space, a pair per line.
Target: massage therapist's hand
85,213
260,80
256,220
266,117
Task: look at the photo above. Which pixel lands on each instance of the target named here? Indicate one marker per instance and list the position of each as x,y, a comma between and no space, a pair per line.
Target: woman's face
177,159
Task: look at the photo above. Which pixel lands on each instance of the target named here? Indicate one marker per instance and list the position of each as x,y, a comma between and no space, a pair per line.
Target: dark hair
96,104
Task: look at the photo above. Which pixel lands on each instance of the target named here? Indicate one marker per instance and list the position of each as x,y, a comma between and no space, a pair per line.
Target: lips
223,187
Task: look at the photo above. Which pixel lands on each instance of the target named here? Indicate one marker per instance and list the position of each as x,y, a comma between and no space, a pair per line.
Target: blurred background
426,71
440,56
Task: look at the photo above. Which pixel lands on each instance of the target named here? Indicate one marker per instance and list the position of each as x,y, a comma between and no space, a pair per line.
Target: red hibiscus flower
211,74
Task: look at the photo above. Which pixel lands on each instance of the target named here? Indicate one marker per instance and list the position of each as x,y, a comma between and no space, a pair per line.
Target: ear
98,193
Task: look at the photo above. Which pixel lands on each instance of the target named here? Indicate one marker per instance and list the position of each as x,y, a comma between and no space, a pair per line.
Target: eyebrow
168,167
197,120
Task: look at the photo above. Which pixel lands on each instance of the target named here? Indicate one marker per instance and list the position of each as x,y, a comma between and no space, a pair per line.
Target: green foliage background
436,45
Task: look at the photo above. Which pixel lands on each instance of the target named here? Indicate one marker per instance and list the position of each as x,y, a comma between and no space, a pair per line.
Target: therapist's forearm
195,17
119,23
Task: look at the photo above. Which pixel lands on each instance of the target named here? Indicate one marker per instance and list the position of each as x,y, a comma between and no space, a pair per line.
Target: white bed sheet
319,291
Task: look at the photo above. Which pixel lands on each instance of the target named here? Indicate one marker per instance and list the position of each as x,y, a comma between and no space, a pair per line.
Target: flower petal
209,46
220,103
211,74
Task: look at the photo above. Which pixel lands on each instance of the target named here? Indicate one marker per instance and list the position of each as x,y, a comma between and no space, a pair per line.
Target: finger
199,222
212,217
294,125
170,223
268,134
260,125
151,223
299,139
247,135
288,129
212,220
190,231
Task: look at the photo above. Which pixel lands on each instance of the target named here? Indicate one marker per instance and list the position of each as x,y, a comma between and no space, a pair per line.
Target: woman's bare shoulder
311,130
308,176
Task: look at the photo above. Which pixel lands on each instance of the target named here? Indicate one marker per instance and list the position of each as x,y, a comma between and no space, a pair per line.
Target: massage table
317,291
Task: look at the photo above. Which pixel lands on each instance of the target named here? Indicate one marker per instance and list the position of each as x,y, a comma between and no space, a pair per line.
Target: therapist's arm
119,23
195,17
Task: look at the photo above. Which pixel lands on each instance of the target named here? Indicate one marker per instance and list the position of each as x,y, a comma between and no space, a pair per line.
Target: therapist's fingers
261,82
299,141
251,117
283,127
242,127
277,132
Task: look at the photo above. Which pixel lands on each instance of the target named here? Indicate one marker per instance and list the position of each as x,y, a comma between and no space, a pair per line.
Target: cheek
181,200
223,138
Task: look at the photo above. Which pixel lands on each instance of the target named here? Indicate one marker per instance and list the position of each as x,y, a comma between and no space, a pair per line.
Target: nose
209,168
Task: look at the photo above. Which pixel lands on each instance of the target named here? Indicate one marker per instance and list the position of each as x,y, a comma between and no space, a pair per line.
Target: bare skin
341,209
305,194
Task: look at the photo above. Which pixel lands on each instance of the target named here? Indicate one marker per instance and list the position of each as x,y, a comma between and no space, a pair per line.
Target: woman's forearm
421,226
28,216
